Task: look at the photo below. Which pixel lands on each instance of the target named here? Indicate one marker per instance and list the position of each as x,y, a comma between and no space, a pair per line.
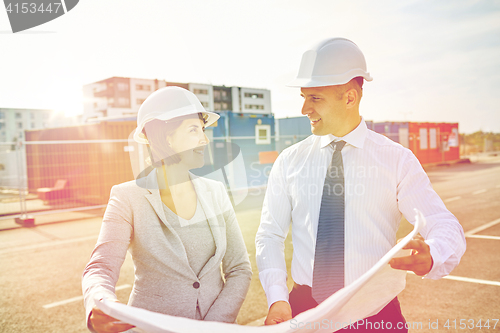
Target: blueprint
363,298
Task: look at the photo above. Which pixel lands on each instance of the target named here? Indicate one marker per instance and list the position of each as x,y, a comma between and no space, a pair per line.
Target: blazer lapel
215,221
155,200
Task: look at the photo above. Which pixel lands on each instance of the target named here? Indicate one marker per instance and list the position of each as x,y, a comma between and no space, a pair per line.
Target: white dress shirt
382,180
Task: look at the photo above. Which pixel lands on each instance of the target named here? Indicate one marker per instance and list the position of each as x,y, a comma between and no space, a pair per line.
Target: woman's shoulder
133,186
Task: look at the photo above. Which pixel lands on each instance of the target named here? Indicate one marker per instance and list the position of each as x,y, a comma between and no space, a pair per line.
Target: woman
178,228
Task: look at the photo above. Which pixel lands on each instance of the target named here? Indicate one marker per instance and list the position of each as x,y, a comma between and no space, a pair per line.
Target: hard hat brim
211,117
328,80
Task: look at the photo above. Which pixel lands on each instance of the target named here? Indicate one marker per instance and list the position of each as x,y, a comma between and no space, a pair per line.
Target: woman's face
189,142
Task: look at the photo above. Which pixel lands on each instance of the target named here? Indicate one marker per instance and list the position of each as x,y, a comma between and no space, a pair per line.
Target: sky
431,61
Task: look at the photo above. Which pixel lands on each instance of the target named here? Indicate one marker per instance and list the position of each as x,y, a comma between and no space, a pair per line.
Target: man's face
326,112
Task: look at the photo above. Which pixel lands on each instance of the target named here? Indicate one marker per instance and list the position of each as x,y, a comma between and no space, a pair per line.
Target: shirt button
196,285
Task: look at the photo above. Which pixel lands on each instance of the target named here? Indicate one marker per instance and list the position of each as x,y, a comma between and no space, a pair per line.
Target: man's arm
444,242
270,244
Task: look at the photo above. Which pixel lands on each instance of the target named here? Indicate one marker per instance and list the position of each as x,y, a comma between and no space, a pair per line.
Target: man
344,189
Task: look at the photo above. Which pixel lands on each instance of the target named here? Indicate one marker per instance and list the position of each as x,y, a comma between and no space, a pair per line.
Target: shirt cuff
437,262
276,293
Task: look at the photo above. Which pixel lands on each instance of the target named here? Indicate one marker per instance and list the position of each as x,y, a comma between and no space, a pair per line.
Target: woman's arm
102,271
235,266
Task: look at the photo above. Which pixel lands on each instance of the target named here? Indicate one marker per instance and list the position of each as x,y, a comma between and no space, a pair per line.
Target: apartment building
14,121
121,97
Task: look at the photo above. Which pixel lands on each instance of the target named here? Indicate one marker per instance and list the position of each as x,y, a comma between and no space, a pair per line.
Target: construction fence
45,173
74,168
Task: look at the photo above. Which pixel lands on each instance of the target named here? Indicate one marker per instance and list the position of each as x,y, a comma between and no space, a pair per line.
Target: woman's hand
102,323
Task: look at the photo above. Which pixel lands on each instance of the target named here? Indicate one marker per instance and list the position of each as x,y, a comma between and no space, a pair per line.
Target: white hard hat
169,103
332,62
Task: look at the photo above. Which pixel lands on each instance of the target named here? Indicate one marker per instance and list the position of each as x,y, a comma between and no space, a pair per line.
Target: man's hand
279,312
420,260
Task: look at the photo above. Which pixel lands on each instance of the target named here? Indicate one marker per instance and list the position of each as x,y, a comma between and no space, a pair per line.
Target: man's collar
355,138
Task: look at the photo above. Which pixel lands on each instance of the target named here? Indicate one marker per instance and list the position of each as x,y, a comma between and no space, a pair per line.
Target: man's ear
351,98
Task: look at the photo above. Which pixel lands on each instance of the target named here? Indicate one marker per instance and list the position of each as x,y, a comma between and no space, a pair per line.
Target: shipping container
250,134
430,142
396,131
291,130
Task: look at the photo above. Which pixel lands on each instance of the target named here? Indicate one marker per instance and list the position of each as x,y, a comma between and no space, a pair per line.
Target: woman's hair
156,132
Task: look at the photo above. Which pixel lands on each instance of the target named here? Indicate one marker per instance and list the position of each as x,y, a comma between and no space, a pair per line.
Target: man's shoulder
382,142
301,147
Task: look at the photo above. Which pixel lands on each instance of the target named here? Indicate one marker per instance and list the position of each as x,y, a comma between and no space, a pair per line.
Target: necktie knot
338,145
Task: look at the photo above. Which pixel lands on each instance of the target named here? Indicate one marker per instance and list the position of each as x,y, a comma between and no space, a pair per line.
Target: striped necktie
328,273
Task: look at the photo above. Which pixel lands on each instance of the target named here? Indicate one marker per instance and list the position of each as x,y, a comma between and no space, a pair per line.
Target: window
432,138
32,125
254,107
217,106
254,95
453,138
122,101
262,134
404,137
19,125
205,104
122,86
217,94
200,91
32,115
224,93
18,115
140,101
423,138
144,87
2,115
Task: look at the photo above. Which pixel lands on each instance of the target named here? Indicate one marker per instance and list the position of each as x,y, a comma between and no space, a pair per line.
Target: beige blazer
164,281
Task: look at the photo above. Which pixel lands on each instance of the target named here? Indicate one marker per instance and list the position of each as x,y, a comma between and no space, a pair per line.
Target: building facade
121,97
13,122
